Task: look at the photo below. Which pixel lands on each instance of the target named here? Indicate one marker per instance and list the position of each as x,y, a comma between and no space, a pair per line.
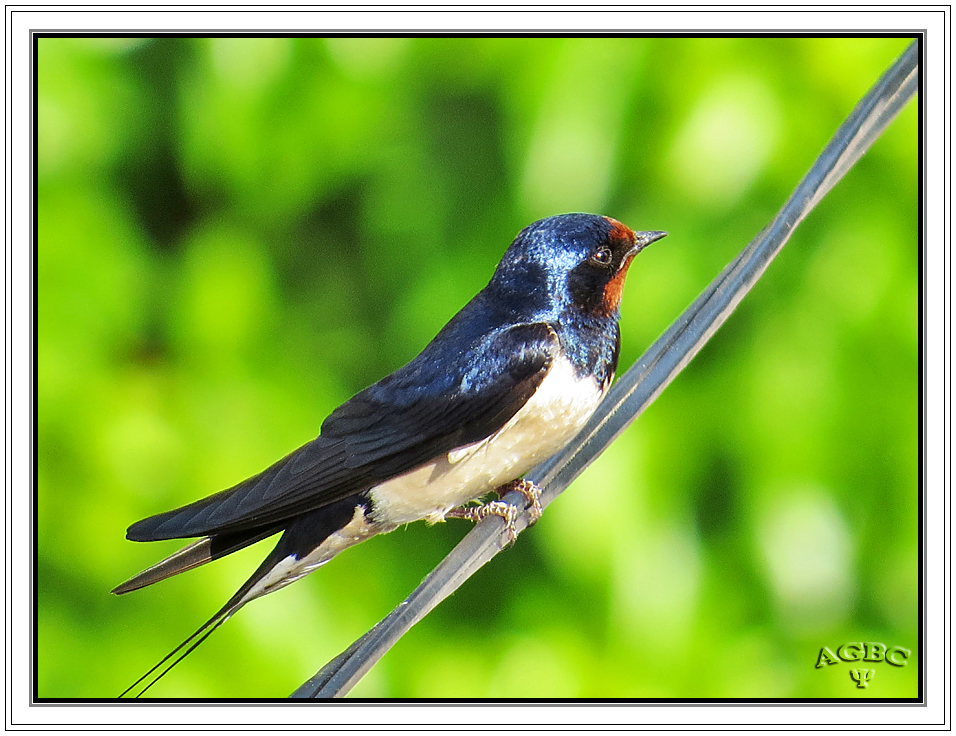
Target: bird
505,384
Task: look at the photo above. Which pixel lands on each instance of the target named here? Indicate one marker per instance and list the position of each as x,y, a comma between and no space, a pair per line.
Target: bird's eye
602,257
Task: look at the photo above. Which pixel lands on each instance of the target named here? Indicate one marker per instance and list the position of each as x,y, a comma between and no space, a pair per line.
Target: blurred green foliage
237,234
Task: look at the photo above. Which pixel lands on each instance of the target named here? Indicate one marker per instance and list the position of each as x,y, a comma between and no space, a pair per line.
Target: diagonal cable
641,384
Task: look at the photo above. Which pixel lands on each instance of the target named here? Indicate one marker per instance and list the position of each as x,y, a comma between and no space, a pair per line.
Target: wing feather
405,420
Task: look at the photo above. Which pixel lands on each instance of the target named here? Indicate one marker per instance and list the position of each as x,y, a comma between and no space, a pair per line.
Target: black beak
645,238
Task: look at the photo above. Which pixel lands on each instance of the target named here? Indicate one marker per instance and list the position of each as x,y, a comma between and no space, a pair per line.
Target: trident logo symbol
862,677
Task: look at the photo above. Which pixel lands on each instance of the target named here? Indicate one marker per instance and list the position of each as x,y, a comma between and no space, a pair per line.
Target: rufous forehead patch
620,231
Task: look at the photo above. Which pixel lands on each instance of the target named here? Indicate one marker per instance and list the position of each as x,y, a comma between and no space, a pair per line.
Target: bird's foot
505,510
493,508
530,491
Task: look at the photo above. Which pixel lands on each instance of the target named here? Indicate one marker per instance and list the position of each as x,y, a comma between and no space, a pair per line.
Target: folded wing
424,409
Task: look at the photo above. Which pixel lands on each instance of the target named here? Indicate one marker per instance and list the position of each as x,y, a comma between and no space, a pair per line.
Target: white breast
547,422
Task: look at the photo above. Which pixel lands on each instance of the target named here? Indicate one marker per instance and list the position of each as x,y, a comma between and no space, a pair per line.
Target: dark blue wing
459,390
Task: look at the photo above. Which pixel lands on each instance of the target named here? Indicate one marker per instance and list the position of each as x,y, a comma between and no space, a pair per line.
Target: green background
235,235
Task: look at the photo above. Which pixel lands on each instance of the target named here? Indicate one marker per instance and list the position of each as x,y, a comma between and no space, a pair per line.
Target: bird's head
576,261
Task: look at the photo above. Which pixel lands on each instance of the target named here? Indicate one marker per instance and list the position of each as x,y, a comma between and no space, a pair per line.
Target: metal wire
642,383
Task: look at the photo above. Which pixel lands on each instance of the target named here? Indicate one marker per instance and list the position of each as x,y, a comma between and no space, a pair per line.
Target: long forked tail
198,553
302,537
246,593
156,673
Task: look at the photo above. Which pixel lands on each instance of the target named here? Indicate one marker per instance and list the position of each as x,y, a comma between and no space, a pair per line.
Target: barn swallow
504,385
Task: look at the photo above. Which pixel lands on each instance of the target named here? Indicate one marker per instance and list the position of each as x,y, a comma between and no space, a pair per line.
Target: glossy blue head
575,262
